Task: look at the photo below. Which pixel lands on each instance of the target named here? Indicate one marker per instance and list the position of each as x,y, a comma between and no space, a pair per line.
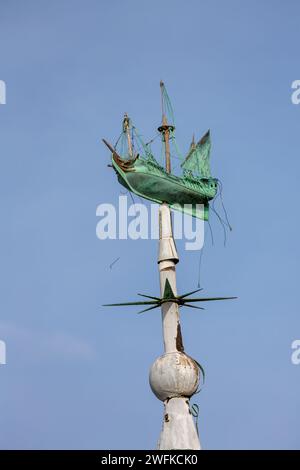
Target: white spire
174,376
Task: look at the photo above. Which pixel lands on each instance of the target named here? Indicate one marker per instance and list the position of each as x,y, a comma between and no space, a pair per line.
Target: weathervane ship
174,376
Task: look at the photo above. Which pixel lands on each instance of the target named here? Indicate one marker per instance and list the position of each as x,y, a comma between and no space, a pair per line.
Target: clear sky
76,373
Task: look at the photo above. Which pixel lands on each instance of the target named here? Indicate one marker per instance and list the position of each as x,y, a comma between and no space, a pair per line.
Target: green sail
197,160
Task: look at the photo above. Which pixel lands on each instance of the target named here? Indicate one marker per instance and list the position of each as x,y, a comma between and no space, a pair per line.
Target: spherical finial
174,375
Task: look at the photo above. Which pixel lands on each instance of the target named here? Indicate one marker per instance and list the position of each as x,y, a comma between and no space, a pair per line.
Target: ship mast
165,130
174,376
126,128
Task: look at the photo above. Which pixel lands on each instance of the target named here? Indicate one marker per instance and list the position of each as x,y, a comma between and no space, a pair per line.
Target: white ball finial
174,374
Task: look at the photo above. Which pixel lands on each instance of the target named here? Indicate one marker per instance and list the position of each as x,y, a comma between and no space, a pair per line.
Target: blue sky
77,374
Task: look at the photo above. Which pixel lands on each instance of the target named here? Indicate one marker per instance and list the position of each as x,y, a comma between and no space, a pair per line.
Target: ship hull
152,183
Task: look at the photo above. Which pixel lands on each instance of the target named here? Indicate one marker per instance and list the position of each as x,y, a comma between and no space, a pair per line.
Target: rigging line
175,164
141,201
214,208
138,136
115,146
223,205
152,140
222,223
140,144
162,152
178,162
219,194
172,138
211,233
167,105
162,101
132,198
114,262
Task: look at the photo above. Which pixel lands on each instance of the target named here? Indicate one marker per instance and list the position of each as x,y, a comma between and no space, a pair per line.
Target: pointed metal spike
189,293
130,303
168,292
149,296
147,309
194,306
207,299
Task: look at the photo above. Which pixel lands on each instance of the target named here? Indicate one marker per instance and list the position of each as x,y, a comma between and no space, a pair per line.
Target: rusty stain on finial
179,343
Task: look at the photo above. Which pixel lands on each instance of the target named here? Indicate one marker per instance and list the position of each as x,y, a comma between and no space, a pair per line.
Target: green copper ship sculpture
144,176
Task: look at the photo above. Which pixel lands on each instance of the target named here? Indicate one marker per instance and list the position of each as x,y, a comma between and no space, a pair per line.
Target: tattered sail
197,160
